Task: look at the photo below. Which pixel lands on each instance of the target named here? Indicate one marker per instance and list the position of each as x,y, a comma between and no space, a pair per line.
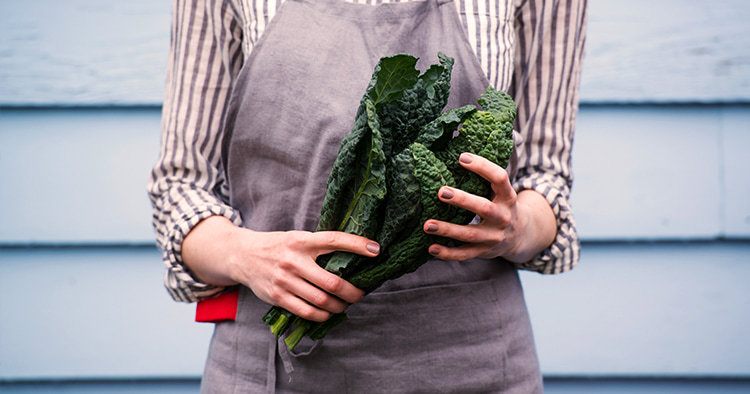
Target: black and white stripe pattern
550,39
533,48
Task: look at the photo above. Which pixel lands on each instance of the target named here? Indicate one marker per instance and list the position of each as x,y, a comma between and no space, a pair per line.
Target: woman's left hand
503,220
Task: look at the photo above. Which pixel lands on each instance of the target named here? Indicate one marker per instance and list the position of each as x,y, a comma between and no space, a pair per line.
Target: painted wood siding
93,52
664,309
659,303
641,172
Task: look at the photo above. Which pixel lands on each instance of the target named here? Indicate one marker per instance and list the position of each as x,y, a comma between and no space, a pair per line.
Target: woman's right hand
278,266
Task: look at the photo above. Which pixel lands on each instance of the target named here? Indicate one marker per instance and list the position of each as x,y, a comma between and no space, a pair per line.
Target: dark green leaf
392,76
436,134
364,208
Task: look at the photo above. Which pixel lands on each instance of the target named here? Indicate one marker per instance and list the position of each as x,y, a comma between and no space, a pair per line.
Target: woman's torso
296,164
292,103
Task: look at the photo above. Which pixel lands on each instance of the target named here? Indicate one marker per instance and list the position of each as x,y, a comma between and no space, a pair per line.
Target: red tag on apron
220,308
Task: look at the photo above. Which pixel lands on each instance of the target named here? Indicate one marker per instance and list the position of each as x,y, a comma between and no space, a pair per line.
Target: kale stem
270,317
293,339
280,324
360,191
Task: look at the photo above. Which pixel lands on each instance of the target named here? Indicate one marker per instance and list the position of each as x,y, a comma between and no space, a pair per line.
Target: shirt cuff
181,283
564,252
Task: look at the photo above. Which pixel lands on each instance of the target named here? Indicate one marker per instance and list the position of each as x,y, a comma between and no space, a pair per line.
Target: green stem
270,317
296,335
280,324
360,191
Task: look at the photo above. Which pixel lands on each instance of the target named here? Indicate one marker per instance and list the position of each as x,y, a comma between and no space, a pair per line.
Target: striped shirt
530,48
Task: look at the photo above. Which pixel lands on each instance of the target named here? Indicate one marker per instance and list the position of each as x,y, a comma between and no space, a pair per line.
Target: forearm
206,248
537,227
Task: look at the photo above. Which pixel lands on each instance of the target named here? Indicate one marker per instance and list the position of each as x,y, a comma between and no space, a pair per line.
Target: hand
279,267
507,227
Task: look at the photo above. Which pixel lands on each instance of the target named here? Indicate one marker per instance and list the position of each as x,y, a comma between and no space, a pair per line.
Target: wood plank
94,313
735,139
667,51
647,172
665,309
640,172
154,386
694,385
77,176
551,386
83,51
88,52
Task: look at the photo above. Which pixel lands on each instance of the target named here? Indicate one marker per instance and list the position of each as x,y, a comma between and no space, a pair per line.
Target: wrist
518,251
536,227
209,249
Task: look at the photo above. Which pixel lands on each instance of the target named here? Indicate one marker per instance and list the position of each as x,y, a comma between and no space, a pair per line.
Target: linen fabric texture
447,327
531,48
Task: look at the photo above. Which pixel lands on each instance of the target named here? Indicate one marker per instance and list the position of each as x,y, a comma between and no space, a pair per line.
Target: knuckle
311,313
471,235
358,296
278,279
323,316
305,312
329,239
274,295
338,307
513,198
333,284
443,253
297,239
285,264
504,217
463,255
501,176
320,299
487,210
498,237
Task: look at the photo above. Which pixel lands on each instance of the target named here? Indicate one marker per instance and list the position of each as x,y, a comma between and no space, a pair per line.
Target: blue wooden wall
660,301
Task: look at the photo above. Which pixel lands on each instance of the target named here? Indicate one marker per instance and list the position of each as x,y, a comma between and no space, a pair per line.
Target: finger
459,253
493,173
329,282
483,207
315,296
470,233
323,242
299,307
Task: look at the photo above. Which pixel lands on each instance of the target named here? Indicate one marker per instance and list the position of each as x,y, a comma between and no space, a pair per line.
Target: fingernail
464,158
373,247
446,194
431,228
433,250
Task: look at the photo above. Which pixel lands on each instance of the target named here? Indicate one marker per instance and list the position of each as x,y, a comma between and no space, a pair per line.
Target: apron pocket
423,298
427,339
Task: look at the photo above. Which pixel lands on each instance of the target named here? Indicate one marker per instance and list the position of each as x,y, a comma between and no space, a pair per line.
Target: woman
259,95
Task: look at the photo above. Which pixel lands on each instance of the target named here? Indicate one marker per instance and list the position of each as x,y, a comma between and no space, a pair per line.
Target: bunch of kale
385,180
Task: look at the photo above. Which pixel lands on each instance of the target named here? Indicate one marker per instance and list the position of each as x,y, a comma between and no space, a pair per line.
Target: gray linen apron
449,326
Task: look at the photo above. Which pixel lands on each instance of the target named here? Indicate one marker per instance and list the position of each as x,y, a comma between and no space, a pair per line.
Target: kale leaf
389,168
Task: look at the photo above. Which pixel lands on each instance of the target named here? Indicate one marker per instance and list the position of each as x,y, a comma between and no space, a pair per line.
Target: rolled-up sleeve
550,36
186,185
